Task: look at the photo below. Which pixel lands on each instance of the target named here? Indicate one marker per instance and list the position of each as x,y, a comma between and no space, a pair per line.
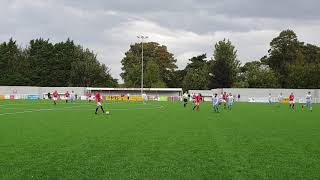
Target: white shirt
309,98
215,100
230,99
279,98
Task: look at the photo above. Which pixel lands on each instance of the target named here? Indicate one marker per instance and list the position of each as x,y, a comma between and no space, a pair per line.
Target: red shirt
291,97
198,98
66,94
55,94
224,97
98,97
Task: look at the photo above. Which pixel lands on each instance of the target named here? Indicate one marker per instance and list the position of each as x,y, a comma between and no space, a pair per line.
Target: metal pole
142,68
142,41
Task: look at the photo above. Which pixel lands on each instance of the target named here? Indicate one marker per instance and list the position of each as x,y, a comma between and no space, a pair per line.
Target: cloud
187,27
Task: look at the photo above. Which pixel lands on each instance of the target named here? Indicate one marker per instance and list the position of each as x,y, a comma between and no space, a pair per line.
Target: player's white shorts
223,101
291,102
197,103
98,103
54,98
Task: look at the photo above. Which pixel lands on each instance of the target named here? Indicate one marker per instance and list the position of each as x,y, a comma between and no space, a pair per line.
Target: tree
224,66
283,52
152,78
131,63
304,75
43,63
13,65
311,53
86,71
176,78
197,73
257,75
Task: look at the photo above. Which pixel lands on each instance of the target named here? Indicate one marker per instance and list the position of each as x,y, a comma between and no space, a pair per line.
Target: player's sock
97,110
102,109
194,107
198,107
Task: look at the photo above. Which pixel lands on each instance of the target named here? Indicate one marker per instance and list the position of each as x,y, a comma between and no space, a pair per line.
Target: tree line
43,63
289,63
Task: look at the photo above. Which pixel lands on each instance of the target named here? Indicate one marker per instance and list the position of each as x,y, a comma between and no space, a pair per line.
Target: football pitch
157,140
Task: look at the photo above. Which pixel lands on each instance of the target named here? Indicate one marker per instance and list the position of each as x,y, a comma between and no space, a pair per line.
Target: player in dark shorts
185,99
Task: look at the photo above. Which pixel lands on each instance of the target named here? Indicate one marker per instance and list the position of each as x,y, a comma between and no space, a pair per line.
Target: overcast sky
187,27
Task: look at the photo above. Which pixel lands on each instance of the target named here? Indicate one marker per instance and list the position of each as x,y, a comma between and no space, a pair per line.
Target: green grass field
157,141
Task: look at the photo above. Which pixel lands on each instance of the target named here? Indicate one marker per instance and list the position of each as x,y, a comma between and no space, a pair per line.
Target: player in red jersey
291,101
67,96
197,100
98,101
224,99
55,97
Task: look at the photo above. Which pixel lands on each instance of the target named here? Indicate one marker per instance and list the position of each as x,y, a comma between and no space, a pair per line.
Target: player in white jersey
72,96
280,98
270,98
308,101
144,98
215,103
230,100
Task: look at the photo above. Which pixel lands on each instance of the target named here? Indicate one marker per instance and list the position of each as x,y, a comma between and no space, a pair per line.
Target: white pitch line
121,109
66,108
38,110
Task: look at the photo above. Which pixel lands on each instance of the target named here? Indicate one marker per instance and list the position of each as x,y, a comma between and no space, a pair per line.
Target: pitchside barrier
108,98
139,98
19,96
260,95
124,98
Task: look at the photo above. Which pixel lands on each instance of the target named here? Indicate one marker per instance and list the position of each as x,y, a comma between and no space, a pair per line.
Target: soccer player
221,99
309,101
49,95
144,98
98,101
55,97
194,99
185,99
215,103
270,98
197,102
224,99
280,98
72,96
67,96
230,101
291,101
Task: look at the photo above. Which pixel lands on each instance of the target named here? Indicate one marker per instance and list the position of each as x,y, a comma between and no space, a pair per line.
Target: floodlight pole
142,38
